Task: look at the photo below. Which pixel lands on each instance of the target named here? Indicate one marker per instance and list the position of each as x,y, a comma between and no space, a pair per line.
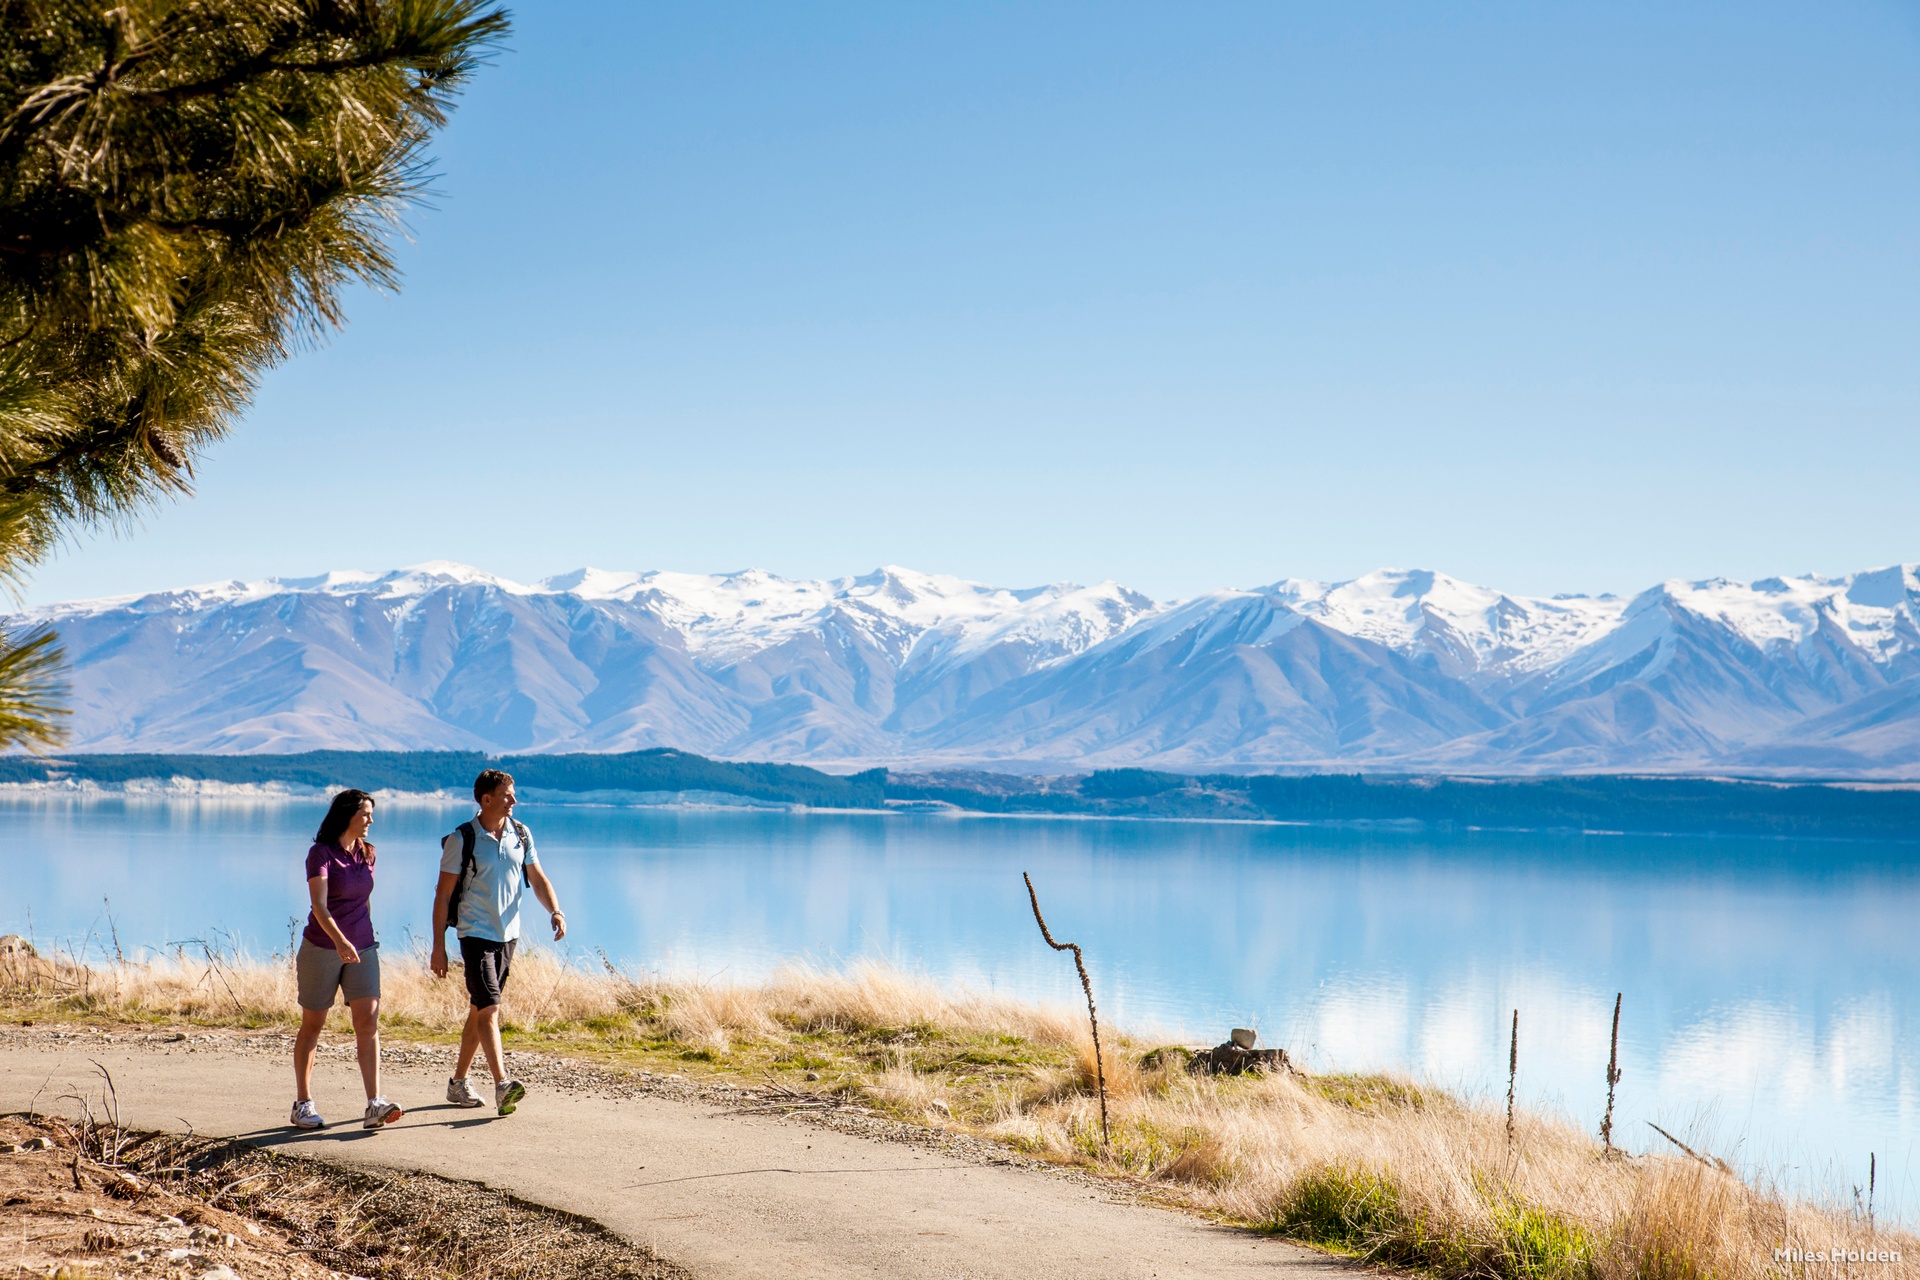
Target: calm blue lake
1772,988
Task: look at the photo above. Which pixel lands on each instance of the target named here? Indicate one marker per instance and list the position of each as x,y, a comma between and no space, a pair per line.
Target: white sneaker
379,1112
507,1095
460,1094
305,1117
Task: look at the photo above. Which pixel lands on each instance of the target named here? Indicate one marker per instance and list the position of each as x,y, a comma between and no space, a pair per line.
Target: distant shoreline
665,779
644,801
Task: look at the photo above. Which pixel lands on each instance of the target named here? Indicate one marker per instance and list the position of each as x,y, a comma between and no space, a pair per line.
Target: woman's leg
366,1036
304,1044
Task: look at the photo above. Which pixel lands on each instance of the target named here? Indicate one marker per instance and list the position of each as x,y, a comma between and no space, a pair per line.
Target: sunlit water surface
1772,988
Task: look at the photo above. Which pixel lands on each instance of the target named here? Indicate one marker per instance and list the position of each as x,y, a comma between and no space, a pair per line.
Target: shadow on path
741,1173
288,1136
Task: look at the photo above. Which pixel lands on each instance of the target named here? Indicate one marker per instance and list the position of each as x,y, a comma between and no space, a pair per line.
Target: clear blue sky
1554,297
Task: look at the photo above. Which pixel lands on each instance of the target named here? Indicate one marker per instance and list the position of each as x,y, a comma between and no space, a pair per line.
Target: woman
338,954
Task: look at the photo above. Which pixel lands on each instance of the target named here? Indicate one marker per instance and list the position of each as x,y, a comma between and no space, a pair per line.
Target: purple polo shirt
349,885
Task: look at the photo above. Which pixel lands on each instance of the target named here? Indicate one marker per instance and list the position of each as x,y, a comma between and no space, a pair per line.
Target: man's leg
485,969
495,966
489,1037
483,989
469,1043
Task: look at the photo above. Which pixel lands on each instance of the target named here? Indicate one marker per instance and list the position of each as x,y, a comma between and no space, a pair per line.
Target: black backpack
467,837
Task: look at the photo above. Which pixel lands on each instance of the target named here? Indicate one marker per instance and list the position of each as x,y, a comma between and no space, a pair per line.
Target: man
490,858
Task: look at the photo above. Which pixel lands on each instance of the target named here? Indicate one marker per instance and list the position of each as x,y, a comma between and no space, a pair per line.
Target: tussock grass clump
1371,1093
1377,1167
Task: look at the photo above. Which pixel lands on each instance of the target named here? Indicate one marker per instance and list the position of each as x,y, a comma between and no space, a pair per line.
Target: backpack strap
526,843
467,837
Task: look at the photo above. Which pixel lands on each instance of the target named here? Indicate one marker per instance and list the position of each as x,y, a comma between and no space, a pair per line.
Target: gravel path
705,1176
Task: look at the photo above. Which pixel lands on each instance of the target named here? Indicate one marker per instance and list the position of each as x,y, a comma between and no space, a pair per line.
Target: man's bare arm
543,889
442,895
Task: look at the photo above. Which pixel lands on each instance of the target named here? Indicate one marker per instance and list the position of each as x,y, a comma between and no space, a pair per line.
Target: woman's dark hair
339,814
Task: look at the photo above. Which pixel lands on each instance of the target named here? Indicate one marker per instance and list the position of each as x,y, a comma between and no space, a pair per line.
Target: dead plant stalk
1086,985
1613,1078
1513,1070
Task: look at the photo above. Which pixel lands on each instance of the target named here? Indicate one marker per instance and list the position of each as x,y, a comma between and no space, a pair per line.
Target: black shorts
486,963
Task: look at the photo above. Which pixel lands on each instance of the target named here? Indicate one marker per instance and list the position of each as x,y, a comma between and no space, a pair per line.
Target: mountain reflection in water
1772,988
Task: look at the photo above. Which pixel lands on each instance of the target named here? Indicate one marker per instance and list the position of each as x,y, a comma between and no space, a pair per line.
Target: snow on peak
1893,587
728,615
1878,610
725,617
1415,609
592,584
1230,617
930,620
1050,623
432,575
931,599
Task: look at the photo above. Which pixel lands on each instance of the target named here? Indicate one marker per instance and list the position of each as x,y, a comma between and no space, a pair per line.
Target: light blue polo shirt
490,901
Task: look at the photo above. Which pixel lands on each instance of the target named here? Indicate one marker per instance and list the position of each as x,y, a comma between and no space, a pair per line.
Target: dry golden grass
210,987
1372,1166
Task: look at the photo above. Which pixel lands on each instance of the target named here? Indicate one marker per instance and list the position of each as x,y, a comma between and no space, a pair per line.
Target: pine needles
33,691
186,189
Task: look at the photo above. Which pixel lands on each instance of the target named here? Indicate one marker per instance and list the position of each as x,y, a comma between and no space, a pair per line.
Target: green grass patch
1370,1094
1537,1245
1140,1147
1352,1211
1361,1213
802,1062
997,1056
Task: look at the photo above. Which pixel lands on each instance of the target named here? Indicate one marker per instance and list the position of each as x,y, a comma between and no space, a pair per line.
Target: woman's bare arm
317,890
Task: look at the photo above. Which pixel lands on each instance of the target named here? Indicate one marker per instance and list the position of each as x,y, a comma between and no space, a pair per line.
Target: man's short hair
489,781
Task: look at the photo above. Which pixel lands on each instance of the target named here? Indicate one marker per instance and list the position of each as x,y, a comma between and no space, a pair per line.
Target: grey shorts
320,975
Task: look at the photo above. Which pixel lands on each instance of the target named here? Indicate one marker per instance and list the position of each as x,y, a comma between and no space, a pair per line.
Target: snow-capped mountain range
1396,670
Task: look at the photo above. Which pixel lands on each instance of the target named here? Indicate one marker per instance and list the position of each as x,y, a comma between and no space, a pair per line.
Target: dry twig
1712,1162
1086,985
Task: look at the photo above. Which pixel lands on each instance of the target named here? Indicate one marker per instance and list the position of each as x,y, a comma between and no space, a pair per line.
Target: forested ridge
1593,803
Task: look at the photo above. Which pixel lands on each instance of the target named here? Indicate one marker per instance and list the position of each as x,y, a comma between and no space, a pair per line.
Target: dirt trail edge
722,1195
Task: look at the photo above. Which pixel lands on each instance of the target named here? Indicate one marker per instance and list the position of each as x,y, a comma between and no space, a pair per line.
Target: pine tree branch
33,691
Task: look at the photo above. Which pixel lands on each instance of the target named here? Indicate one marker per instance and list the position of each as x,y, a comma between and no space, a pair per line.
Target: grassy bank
1371,1166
